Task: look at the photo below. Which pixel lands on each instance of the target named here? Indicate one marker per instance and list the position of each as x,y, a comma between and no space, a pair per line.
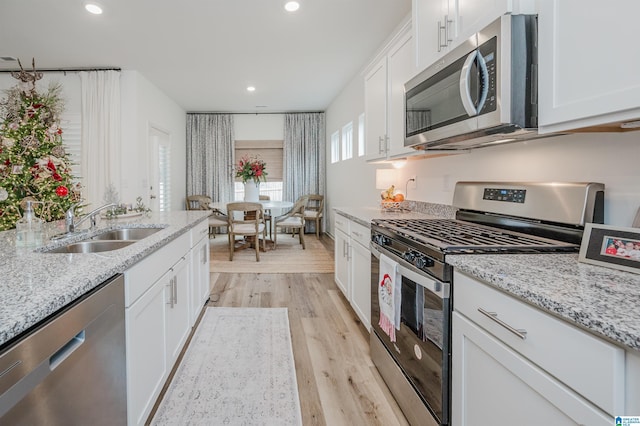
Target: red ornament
62,191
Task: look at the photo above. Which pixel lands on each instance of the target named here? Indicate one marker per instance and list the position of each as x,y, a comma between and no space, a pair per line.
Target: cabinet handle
440,28
447,36
344,249
170,302
380,144
494,316
175,290
357,234
348,251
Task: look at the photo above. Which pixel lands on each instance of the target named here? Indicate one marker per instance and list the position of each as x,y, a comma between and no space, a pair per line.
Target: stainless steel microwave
483,92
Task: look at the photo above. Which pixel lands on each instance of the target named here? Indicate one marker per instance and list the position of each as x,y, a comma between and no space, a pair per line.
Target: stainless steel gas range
492,217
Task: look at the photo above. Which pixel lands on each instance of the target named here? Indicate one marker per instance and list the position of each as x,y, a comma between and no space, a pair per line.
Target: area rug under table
238,370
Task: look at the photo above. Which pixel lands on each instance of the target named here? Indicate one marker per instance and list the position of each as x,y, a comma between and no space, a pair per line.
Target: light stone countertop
603,301
35,285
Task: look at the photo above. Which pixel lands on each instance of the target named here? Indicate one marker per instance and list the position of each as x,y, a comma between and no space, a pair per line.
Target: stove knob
381,240
422,262
409,256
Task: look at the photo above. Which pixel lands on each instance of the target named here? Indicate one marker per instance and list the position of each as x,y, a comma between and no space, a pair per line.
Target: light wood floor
338,384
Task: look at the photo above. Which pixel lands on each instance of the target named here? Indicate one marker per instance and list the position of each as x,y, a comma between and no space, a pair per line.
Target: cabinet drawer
341,223
199,231
589,365
143,274
360,233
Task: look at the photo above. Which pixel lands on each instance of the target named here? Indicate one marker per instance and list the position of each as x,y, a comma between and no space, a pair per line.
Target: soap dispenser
29,228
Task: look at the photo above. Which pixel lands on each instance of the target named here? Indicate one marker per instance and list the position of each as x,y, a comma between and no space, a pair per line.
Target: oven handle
409,271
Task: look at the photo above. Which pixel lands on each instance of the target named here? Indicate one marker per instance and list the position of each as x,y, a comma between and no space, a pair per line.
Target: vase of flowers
251,170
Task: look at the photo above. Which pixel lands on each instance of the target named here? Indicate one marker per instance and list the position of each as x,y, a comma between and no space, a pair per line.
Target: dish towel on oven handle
389,296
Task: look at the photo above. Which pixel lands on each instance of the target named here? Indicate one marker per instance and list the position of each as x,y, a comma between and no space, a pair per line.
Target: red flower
59,131
37,105
56,176
62,191
51,166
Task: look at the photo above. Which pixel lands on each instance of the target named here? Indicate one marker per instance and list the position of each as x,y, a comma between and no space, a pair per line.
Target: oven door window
422,313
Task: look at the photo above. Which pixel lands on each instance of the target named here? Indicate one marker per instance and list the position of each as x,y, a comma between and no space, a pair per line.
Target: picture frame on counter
611,246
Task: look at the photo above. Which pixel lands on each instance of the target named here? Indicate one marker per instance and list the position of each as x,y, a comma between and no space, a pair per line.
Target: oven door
422,346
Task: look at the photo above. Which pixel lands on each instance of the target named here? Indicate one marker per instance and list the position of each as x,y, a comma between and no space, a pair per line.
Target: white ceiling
204,53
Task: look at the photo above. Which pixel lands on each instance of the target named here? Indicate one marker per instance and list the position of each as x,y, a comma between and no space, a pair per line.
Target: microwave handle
484,81
465,75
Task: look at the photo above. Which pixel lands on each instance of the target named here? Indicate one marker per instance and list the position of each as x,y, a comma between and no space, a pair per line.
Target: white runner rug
238,370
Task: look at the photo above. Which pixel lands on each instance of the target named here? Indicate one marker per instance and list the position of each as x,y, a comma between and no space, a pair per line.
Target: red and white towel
389,296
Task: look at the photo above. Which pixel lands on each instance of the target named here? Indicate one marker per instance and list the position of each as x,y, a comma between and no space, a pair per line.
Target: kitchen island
35,285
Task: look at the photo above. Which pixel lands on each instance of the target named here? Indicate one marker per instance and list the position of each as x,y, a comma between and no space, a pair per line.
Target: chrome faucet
70,217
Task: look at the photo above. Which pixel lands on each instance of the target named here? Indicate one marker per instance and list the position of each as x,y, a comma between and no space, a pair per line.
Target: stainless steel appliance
492,217
71,368
481,93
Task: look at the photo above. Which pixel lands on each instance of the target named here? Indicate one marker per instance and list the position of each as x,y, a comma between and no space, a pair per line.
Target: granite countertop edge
35,284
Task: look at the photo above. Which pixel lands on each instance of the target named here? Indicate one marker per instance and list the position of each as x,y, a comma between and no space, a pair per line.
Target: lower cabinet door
178,323
361,283
199,289
146,361
494,385
341,256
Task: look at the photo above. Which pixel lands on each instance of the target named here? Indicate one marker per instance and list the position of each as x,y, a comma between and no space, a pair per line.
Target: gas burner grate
456,236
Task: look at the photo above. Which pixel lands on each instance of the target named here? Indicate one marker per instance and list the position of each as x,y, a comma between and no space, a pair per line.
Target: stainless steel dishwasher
70,370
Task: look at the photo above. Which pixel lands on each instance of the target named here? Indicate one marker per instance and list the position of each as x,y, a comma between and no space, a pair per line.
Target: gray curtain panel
210,156
304,155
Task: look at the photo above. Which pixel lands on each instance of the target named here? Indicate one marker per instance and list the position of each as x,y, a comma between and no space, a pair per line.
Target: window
164,177
361,135
347,141
335,147
271,152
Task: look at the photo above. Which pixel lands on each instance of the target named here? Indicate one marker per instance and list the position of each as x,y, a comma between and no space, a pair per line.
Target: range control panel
507,195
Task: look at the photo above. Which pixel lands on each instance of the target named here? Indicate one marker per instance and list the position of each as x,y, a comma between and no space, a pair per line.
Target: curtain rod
256,113
65,70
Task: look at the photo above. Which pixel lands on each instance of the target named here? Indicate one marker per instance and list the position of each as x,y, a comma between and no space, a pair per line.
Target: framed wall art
611,246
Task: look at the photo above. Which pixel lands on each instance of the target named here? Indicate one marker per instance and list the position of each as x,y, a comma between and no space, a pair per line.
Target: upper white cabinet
588,63
440,25
384,97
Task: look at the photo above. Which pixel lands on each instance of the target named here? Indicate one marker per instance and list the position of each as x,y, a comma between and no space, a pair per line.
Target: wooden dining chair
313,211
293,219
246,219
203,202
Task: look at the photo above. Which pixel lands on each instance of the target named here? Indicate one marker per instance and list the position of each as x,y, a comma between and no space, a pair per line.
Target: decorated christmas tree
33,162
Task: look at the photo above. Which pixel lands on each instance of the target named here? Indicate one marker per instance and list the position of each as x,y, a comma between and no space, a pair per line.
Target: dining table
275,207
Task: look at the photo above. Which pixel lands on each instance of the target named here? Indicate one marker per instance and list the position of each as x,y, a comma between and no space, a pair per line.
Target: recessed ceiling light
291,6
93,7
251,89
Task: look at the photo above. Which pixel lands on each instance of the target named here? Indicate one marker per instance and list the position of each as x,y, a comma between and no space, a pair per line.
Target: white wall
145,106
597,157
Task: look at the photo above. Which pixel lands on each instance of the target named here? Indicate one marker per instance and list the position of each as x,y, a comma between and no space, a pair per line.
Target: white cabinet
341,254
441,25
178,325
146,363
550,371
375,111
200,260
353,265
164,294
384,98
361,281
588,64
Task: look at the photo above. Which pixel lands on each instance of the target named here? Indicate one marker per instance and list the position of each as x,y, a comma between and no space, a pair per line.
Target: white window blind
270,151
71,125
164,177
347,141
335,147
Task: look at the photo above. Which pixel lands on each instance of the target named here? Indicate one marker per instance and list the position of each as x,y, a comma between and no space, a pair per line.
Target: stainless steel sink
93,246
126,234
